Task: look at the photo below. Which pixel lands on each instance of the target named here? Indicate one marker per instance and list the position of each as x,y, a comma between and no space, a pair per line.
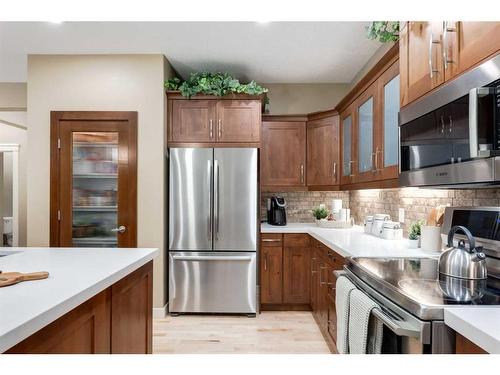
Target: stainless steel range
413,294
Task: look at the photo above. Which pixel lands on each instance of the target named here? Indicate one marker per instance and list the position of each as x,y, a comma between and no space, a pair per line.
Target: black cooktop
415,284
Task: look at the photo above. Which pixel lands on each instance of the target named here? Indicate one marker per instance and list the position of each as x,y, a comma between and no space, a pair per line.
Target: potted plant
320,213
414,235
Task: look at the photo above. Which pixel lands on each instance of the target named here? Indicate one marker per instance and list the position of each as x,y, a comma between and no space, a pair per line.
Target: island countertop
75,275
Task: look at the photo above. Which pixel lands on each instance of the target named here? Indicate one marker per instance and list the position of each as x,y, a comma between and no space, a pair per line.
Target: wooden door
425,58
296,266
323,168
283,154
367,116
403,63
193,120
132,317
238,120
469,43
93,199
271,274
387,126
348,145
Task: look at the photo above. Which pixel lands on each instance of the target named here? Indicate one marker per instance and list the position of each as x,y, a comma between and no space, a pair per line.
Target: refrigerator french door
213,215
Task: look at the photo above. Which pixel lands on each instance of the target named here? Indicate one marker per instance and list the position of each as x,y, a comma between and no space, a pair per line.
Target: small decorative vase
414,244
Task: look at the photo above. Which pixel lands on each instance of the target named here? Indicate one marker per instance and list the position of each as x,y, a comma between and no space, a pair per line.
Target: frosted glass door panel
391,133
346,145
365,150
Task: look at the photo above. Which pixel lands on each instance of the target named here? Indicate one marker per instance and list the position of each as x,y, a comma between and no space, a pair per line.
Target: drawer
335,260
271,239
296,239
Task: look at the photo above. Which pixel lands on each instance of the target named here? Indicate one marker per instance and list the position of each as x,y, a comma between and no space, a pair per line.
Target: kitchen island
95,300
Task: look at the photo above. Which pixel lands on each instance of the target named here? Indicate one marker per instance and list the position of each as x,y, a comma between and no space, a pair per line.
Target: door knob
120,229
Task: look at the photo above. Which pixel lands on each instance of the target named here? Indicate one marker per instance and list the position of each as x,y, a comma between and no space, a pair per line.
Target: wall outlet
401,215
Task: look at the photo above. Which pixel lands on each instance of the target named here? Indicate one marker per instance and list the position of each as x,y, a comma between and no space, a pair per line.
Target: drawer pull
271,240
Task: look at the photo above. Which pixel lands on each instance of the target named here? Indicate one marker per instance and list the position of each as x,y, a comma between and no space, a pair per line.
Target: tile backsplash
300,203
417,203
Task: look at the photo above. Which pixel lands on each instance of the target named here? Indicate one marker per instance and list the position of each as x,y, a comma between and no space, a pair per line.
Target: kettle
462,262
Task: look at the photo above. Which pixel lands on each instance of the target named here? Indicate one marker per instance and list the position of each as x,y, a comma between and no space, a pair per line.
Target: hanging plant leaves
384,31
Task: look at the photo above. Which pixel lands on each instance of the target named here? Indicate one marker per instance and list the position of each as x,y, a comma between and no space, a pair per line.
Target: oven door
403,332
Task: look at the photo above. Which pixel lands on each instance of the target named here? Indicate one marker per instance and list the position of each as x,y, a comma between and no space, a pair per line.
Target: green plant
218,84
320,213
384,31
415,230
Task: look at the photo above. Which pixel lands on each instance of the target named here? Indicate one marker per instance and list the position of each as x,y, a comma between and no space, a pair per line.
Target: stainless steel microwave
451,137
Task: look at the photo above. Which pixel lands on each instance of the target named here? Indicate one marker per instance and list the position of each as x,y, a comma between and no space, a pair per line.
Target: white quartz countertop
351,242
480,324
75,275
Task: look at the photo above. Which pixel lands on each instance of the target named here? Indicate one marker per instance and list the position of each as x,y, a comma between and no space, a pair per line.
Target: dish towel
344,287
365,334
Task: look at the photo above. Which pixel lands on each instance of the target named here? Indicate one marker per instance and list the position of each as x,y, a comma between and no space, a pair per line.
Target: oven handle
195,258
474,94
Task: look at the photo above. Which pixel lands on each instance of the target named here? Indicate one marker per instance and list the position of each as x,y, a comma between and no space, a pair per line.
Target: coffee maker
276,214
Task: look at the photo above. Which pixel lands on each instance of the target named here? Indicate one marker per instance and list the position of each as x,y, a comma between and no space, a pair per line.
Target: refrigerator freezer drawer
212,282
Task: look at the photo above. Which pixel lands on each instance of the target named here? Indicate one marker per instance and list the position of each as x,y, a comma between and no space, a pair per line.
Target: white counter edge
12,338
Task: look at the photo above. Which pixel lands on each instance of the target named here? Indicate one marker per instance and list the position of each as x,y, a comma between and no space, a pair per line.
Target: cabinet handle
211,124
450,129
350,168
431,68
271,240
265,263
302,173
321,282
374,162
446,30
334,171
442,124
220,128
377,159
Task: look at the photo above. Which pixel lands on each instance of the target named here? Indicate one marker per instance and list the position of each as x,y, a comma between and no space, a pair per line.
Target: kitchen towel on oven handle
344,287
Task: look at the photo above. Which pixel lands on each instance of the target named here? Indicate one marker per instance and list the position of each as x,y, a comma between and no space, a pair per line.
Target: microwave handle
474,94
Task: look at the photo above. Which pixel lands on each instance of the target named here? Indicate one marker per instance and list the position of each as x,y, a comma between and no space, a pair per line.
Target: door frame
14,149
130,119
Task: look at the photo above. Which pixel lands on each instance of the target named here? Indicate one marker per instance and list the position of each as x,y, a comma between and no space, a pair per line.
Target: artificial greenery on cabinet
384,31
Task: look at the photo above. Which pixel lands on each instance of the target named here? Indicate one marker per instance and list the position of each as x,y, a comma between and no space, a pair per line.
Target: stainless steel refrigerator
213,216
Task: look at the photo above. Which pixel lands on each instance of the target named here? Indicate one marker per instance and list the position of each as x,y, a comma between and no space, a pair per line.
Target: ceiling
274,52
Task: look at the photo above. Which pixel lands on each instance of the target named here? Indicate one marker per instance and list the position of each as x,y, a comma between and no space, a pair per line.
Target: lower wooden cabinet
271,274
465,346
117,320
296,265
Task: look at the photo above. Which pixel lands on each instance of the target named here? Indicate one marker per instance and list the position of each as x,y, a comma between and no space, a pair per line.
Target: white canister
430,238
336,205
378,222
368,224
391,230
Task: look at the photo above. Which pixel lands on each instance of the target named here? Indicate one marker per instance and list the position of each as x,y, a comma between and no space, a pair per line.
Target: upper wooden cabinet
283,154
210,120
323,158
432,53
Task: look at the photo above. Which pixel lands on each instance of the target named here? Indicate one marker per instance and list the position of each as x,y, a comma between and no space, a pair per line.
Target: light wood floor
268,333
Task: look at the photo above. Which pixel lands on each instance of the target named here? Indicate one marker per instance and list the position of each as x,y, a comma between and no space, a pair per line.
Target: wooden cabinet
117,320
283,154
323,158
348,133
432,53
465,346
208,120
296,268
271,269
284,272
193,120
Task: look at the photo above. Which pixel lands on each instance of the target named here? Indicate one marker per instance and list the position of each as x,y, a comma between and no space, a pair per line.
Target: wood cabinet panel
314,279
323,152
296,239
193,120
296,266
348,136
425,58
465,346
238,120
283,154
84,330
271,275
132,319
272,239
403,63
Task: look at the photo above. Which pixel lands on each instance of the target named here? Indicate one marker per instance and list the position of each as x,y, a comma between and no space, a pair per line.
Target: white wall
100,83
12,95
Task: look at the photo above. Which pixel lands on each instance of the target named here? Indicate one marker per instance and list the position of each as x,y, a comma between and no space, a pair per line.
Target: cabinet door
323,295
296,265
403,63
425,58
348,144
283,154
314,279
271,274
367,117
238,120
323,152
193,120
387,143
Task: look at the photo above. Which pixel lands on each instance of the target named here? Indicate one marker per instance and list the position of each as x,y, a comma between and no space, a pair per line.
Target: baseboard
160,312
285,307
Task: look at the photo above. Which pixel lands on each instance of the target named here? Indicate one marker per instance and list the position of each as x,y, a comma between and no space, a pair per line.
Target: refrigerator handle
210,193
216,199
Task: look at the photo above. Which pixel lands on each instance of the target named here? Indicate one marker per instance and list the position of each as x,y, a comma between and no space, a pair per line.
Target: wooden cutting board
11,278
